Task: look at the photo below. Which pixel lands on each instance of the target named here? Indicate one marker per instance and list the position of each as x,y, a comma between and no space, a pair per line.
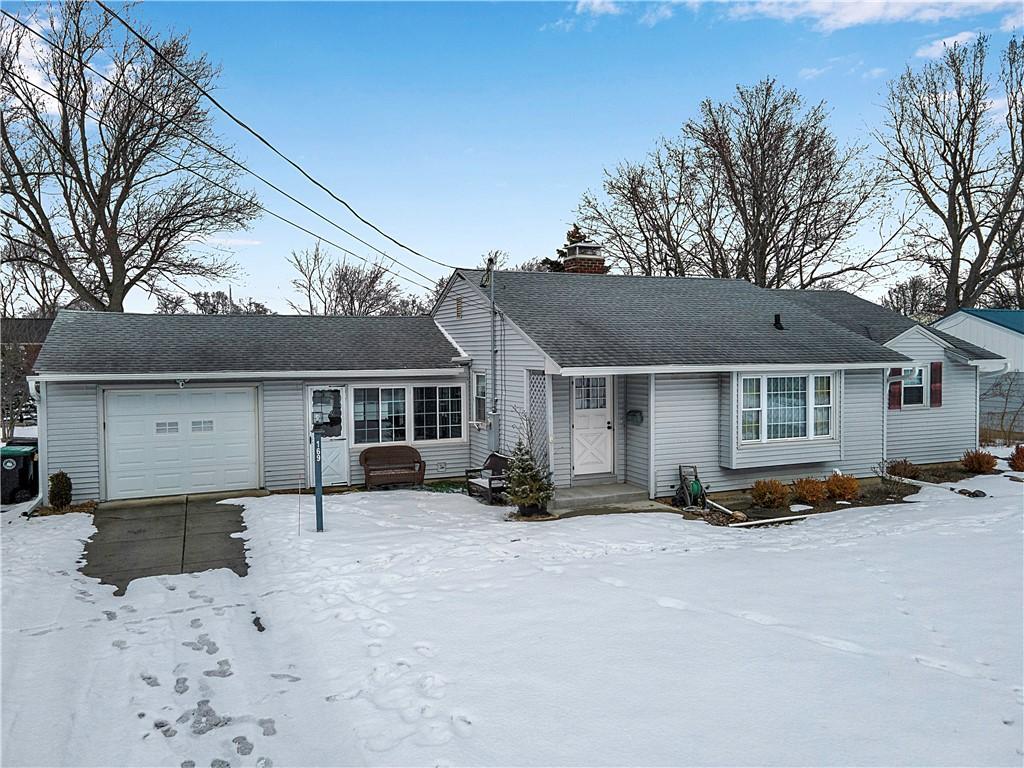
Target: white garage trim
181,430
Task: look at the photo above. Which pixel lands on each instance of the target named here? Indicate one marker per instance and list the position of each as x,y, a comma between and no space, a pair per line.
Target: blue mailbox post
318,477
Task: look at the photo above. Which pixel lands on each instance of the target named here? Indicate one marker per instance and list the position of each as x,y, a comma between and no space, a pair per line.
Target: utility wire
230,191
264,141
209,146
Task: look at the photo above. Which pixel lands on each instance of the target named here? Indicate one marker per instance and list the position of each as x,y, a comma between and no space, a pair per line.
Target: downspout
495,421
885,417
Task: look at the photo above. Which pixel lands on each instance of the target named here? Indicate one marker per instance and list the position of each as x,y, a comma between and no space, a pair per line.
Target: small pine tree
525,484
60,490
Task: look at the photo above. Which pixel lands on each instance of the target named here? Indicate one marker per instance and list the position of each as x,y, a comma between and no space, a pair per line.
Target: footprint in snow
379,628
111,615
268,726
242,745
432,686
223,669
612,581
120,644
196,623
425,649
462,725
149,680
181,685
374,649
284,676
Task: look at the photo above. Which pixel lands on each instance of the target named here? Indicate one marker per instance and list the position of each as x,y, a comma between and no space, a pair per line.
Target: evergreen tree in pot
526,485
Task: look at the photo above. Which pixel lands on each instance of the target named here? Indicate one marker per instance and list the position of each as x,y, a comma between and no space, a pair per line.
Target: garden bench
391,465
488,479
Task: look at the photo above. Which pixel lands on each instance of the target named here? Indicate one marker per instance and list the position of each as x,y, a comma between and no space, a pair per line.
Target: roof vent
778,323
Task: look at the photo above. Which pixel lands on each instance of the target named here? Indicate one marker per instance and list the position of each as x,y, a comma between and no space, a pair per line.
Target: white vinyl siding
472,332
695,412
73,437
636,390
284,435
930,435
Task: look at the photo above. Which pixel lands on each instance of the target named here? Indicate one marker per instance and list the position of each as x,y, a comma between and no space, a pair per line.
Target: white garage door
168,441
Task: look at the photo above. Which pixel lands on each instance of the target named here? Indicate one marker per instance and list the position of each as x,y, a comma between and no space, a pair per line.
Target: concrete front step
592,496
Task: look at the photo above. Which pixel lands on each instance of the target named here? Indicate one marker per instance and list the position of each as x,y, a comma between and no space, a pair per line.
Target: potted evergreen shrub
526,485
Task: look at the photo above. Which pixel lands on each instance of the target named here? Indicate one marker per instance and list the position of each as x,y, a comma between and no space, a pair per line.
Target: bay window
786,407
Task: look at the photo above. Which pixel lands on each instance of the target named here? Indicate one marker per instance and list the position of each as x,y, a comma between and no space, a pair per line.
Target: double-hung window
480,397
786,407
913,386
378,415
437,413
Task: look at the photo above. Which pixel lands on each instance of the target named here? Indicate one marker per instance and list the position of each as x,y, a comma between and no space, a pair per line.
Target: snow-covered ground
423,629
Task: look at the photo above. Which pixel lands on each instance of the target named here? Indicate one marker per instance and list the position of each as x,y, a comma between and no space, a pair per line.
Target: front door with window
592,433
326,409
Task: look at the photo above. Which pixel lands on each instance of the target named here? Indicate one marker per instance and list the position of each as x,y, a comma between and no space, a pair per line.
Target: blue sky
462,127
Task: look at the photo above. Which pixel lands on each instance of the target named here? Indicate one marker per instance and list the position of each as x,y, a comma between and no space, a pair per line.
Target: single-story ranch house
621,379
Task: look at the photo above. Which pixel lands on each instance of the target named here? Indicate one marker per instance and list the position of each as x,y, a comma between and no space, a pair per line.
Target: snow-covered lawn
422,629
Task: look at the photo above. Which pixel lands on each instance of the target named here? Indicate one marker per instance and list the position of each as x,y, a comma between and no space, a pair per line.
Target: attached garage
161,442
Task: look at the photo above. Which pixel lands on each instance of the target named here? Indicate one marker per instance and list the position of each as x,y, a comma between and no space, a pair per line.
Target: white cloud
655,14
598,8
1012,21
874,73
810,73
935,48
830,15
230,242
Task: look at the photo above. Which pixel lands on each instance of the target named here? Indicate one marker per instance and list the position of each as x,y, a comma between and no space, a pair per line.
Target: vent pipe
778,322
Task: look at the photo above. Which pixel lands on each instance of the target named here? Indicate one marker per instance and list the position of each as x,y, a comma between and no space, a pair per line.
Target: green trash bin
18,480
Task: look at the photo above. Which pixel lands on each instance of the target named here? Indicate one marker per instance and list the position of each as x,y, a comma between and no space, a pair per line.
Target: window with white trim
437,413
378,415
786,407
913,386
479,397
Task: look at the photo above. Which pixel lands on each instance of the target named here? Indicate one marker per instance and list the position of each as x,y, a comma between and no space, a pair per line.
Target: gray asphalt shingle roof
111,342
873,321
618,320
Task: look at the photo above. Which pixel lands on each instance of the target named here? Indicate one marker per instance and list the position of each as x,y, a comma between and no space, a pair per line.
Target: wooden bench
392,465
493,482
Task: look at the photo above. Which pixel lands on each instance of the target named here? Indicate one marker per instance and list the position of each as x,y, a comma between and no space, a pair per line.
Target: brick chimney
583,258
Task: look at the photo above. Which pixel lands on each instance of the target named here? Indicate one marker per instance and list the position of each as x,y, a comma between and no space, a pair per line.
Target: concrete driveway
164,537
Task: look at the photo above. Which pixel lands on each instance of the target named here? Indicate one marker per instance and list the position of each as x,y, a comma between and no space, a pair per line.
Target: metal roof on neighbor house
1013,319
873,321
114,342
625,321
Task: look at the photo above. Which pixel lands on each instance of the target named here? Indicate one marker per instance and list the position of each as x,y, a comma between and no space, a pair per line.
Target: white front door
326,410
592,434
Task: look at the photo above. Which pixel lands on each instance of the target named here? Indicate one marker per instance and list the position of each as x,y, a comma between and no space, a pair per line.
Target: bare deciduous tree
96,180
947,145
209,303
757,188
918,297
330,287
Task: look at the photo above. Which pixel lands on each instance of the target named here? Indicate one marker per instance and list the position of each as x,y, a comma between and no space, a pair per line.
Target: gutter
245,375
612,370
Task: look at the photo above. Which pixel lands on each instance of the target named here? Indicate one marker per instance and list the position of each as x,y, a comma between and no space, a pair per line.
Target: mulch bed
86,506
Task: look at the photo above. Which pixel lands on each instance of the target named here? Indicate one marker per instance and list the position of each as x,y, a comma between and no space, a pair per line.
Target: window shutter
895,390
936,385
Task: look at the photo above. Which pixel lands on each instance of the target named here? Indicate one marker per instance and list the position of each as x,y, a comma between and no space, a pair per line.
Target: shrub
60,490
979,461
1016,460
769,494
809,490
904,468
842,487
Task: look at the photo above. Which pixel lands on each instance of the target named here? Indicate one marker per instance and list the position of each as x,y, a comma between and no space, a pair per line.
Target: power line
230,191
263,140
209,146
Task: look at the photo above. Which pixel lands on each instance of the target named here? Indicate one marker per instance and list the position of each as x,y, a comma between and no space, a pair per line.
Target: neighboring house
27,332
1002,392
621,380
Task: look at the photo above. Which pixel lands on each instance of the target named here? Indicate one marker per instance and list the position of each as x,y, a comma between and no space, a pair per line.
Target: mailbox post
318,477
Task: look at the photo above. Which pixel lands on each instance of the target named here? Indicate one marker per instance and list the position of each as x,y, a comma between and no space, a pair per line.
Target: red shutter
936,385
895,390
